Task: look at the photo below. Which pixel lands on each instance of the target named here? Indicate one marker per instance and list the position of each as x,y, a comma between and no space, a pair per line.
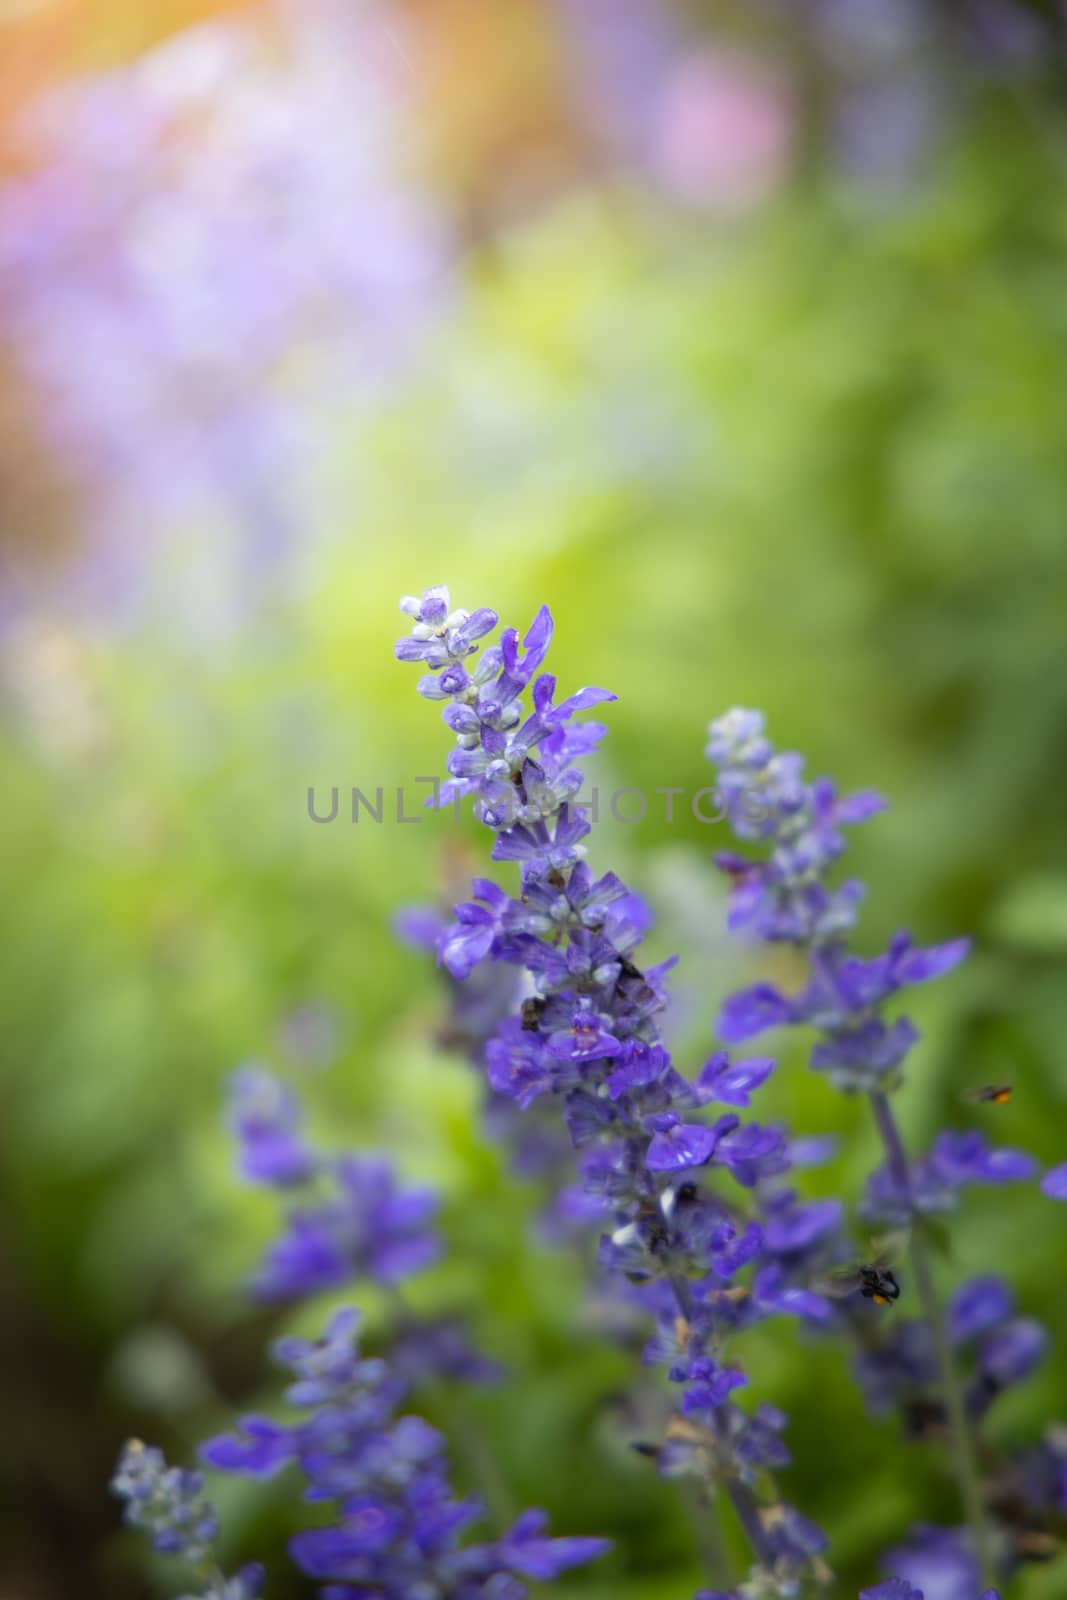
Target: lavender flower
787,896
589,1039
184,226
397,1524
356,1220
397,1521
169,1504
934,1181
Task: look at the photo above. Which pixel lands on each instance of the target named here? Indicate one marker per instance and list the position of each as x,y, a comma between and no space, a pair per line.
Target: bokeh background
738,333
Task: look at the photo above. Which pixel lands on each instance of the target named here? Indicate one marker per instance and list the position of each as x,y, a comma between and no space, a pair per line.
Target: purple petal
977,1306
1054,1183
687,1145
859,806
1010,1353
733,1083
526,1550
480,622
751,1011
919,966
260,1448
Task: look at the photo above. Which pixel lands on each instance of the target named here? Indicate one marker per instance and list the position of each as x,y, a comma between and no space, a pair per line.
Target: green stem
961,1437
742,1499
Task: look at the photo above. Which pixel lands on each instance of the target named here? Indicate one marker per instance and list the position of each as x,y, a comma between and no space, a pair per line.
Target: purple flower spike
787,897
168,1504
587,1039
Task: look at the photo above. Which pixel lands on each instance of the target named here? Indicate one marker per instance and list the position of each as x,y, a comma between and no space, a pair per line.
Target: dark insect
924,1419
991,1094
683,1194
642,993
878,1284
873,1279
532,1011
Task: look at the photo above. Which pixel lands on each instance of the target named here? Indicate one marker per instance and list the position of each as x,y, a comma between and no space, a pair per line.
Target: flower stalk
960,1431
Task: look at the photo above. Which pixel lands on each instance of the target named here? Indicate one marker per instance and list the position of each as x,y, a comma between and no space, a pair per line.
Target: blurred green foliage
815,464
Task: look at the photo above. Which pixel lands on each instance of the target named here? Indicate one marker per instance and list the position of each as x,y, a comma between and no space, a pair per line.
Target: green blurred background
736,334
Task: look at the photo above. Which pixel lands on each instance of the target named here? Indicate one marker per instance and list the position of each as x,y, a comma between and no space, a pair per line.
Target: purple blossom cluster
942,1371
786,897
699,1223
169,1504
353,1218
654,1170
398,1521
206,254
398,1525
587,1038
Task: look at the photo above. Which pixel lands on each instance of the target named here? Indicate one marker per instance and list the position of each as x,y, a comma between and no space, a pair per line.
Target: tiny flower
260,1447
526,1550
585,1040
267,1120
939,1561
977,1306
519,1064
367,1225
168,1504
753,1011
966,1158
677,1145
793,1538
1011,1352
732,1083
708,1385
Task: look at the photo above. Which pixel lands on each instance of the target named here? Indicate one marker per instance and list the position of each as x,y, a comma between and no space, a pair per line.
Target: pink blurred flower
725,130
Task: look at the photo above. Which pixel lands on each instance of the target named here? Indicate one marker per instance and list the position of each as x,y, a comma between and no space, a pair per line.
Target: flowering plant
699,1229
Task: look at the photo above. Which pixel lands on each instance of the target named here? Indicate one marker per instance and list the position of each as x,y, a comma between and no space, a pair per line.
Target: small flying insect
874,1279
990,1094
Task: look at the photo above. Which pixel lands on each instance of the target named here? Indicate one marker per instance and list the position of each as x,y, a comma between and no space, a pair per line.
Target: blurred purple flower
212,247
